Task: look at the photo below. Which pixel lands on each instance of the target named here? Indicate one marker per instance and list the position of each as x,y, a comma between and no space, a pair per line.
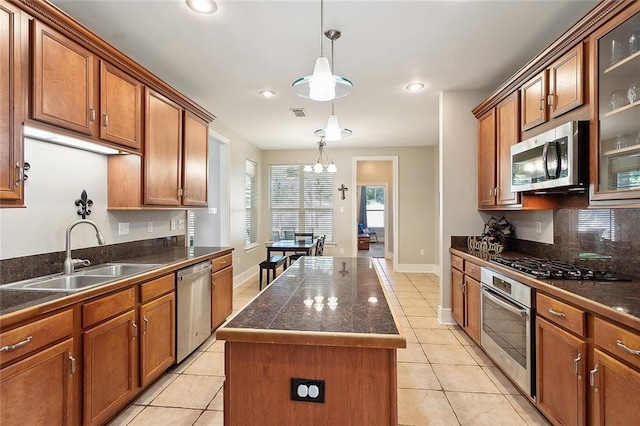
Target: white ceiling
223,60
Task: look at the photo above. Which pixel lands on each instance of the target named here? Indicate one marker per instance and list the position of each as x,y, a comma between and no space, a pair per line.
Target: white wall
56,179
458,157
245,261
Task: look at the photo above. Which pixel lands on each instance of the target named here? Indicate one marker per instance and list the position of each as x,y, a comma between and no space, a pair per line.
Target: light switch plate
123,228
149,226
181,224
172,225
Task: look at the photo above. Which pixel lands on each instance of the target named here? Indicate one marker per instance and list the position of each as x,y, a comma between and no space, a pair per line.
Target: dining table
305,246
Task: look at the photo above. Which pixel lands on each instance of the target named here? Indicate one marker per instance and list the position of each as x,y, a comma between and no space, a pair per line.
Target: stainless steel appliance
554,269
193,317
553,161
507,327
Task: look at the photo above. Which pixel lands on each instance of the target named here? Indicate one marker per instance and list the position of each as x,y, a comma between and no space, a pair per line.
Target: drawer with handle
221,262
36,335
472,270
562,314
618,341
457,262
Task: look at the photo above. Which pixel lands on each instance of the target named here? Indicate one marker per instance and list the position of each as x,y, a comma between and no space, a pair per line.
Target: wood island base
360,384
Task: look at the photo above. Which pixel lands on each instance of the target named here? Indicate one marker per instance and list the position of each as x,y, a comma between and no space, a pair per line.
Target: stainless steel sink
71,283
84,278
117,269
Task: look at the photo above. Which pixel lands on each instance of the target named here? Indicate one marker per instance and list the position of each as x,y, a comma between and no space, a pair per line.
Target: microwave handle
545,160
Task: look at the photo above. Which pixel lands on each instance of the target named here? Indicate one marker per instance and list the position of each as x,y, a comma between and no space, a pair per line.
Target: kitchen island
324,334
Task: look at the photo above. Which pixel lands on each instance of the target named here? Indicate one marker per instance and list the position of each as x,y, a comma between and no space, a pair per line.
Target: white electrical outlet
172,225
149,226
341,209
181,224
213,210
421,252
539,227
123,228
341,250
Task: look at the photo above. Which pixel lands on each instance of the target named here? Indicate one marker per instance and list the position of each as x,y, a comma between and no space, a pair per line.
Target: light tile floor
443,377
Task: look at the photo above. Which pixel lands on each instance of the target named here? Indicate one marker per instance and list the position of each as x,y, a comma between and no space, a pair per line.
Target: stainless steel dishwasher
193,319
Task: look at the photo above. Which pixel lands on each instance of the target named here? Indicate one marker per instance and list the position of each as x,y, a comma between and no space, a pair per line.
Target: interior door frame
384,185
394,203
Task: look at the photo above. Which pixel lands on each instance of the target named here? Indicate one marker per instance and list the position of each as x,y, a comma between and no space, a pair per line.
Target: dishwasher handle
198,269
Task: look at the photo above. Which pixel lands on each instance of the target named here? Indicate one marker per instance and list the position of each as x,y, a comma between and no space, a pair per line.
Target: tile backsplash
606,239
25,267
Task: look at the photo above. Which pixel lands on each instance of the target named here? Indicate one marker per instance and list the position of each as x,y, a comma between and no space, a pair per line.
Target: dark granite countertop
618,300
13,300
321,300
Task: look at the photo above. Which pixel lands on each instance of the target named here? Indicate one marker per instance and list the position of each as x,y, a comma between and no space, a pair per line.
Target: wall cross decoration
343,189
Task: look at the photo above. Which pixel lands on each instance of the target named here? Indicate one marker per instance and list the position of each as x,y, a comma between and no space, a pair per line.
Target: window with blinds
251,203
300,201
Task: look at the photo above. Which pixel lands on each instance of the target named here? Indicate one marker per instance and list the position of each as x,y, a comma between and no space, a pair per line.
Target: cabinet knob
592,376
92,114
146,323
541,104
550,99
134,327
73,364
576,362
105,120
626,348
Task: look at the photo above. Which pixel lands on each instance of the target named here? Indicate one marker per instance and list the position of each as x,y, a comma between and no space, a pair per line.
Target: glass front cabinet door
616,94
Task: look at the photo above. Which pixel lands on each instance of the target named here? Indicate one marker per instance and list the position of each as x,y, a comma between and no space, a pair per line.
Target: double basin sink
84,278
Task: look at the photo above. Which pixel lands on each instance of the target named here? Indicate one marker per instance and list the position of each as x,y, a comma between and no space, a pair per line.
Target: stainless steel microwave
553,161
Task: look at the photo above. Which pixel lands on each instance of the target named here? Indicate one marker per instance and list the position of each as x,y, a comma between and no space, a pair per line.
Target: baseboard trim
426,268
444,316
241,278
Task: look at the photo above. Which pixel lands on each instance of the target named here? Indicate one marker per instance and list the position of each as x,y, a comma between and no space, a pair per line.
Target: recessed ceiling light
202,6
267,93
414,87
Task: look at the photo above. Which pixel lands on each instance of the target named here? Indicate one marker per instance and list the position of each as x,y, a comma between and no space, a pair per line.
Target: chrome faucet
69,263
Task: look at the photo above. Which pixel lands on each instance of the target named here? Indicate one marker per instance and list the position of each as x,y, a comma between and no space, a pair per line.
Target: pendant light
321,161
322,85
333,132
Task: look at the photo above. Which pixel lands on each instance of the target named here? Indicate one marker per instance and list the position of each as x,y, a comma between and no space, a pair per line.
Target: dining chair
320,246
302,235
289,235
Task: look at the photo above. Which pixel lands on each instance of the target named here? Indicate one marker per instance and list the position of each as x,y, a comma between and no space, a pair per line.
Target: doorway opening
371,220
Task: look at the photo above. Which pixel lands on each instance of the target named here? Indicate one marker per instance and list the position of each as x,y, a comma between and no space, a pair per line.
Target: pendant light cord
321,25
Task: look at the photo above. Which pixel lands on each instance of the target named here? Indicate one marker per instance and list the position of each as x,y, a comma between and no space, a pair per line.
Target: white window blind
300,201
251,203
624,172
598,223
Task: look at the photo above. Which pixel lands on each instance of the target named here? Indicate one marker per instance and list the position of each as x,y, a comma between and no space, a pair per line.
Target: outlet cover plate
307,390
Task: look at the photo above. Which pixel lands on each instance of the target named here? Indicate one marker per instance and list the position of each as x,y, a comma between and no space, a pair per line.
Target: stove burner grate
554,269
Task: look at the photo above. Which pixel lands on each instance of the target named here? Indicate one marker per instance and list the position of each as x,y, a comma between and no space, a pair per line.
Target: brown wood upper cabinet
63,81
120,107
554,91
498,130
163,151
11,105
195,171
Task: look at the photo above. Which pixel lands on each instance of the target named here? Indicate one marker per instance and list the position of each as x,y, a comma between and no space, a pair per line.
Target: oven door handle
506,305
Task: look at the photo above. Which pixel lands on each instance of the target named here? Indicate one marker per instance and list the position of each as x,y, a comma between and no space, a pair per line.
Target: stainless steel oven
507,327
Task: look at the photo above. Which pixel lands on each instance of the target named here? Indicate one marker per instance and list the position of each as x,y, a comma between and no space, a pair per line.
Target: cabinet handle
556,313
550,99
146,323
185,193
135,329
16,345
541,104
490,192
92,114
497,191
105,120
576,362
179,192
626,348
73,364
592,376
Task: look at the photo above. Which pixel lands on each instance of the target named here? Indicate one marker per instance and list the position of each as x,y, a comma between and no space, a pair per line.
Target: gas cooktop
553,269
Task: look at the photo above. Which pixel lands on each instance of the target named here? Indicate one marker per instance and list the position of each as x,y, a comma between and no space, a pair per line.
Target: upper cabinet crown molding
600,13
65,24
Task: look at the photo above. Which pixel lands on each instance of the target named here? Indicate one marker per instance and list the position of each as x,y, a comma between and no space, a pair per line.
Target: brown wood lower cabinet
158,337
39,389
110,362
221,296
472,303
457,296
561,372
616,391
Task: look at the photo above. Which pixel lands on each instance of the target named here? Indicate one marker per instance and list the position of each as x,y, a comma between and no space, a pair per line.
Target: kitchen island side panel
360,384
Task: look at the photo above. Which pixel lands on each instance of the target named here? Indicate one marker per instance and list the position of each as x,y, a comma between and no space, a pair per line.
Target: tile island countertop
332,301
